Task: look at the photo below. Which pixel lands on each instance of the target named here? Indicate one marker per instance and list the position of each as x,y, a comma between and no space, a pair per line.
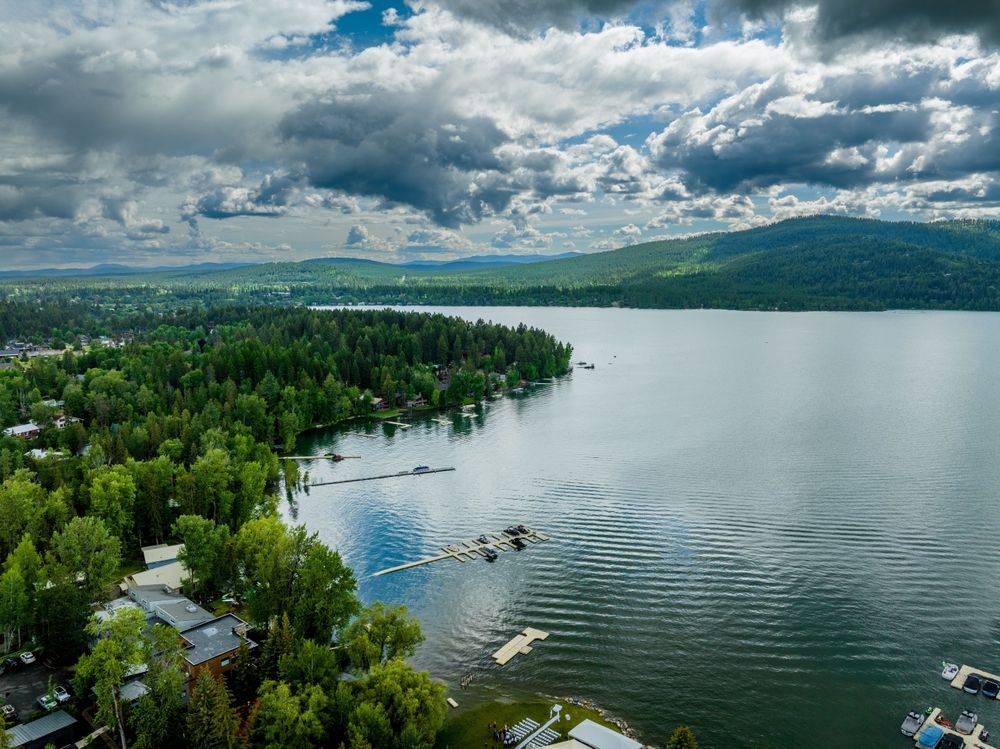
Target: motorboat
973,684
930,737
951,741
950,671
421,469
483,539
517,543
911,724
966,722
491,553
991,689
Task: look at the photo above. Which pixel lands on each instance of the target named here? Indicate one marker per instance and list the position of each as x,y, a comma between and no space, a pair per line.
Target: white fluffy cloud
140,130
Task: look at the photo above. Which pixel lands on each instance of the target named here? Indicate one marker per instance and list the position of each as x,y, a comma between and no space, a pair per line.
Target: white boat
950,671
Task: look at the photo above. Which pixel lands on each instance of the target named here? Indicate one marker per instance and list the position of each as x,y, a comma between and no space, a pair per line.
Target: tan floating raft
520,644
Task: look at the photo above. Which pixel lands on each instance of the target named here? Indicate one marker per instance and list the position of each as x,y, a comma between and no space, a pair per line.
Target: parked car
27,657
61,693
47,701
9,713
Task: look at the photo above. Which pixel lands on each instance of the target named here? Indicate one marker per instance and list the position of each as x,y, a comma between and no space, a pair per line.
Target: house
56,728
416,402
23,431
60,421
172,575
40,454
169,607
160,554
595,736
379,404
213,644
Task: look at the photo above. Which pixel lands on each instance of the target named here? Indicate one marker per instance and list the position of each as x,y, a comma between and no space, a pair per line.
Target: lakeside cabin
28,431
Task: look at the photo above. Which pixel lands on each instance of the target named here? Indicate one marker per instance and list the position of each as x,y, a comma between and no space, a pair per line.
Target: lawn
470,728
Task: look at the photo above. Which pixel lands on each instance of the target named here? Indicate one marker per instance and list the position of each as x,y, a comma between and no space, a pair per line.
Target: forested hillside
821,262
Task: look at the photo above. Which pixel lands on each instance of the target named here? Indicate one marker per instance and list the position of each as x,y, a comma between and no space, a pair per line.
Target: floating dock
965,671
520,644
971,741
399,424
469,550
385,476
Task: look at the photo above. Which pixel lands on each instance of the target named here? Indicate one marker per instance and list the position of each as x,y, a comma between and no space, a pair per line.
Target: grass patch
470,728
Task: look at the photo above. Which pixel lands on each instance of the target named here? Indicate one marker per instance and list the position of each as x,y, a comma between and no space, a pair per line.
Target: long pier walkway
384,476
473,549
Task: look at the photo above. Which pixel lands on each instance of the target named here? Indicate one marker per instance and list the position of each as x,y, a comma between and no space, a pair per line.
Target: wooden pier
973,740
965,671
473,549
399,424
384,476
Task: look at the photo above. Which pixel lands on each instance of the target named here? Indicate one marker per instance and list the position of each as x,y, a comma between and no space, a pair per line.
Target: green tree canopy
379,634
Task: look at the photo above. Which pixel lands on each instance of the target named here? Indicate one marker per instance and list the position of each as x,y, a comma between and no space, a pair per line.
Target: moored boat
911,724
966,722
949,671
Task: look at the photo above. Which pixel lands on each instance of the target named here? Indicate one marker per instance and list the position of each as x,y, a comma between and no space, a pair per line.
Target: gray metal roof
597,736
39,729
212,639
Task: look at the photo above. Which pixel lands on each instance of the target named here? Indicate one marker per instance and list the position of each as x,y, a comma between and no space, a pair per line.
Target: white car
61,693
27,657
48,702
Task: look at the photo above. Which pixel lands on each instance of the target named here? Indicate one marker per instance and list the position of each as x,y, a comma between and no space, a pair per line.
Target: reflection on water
772,527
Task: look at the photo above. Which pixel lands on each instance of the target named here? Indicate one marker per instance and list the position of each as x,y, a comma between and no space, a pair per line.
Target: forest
817,262
170,430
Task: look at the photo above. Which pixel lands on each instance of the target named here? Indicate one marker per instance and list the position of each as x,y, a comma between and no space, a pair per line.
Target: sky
158,132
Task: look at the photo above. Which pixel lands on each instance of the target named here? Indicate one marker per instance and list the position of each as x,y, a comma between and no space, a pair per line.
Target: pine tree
682,738
211,721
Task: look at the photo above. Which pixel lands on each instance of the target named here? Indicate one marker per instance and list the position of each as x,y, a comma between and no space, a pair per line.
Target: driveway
22,687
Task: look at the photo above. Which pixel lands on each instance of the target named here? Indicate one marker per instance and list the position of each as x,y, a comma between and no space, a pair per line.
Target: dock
520,644
384,476
972,741
399,424
965,671
467,551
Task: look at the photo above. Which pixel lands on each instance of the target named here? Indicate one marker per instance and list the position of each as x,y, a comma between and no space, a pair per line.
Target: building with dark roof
213,644
56,728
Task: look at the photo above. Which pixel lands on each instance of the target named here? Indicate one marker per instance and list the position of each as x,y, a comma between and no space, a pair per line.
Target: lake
769,526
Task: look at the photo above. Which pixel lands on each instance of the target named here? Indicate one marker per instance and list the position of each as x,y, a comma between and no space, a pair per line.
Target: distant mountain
481,261
818,262
114,269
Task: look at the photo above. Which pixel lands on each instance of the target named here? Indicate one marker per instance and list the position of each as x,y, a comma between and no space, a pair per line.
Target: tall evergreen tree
211,721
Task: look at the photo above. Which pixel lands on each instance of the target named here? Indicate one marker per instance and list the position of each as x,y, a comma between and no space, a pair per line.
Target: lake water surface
771,527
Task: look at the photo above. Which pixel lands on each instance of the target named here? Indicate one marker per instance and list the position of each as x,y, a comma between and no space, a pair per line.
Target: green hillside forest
814,263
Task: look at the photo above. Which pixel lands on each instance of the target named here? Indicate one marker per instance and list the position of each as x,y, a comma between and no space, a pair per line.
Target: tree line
171,437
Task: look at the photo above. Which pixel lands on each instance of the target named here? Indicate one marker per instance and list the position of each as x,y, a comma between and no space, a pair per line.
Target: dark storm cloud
832,135
270,198
520,15
915,20
403,149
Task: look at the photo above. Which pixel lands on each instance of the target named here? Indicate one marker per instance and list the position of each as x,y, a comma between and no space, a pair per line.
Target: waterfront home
212,645
160,555
23,431
595,736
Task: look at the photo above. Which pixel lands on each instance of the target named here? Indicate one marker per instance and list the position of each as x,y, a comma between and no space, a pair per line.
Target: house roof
172,575
14,431
37,730
213,638
571,744
597,736
160,553
174,609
